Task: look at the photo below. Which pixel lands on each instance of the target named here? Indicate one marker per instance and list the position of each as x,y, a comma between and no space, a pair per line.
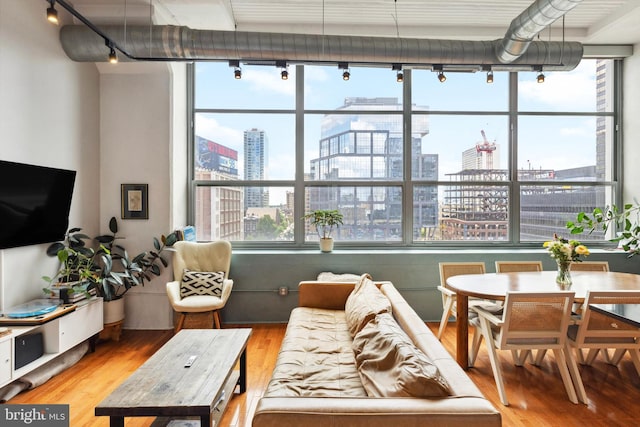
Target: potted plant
325,220
626,220
107,269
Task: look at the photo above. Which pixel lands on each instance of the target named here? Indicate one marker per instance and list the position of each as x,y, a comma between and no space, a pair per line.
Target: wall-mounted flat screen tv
34,203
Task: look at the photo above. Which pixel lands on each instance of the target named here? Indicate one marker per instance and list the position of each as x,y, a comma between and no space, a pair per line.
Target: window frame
408,183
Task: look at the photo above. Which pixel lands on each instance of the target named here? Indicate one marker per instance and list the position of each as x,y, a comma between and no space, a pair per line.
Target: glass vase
563,278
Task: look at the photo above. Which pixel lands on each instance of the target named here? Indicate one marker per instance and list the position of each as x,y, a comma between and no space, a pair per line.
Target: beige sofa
317,382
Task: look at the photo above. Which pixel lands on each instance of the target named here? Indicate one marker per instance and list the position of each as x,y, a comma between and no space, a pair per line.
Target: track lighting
441,77
346,74
540,77
284,74
399,73
237,71
113,57
489,76
52,13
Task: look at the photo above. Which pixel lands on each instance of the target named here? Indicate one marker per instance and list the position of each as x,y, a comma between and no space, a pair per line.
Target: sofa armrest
375,412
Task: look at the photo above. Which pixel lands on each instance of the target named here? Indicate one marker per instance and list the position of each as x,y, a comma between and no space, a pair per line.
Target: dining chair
517,266
590,266
449,269
531,320
597,332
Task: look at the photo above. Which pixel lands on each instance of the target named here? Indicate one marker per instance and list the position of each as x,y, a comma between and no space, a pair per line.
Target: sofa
356,354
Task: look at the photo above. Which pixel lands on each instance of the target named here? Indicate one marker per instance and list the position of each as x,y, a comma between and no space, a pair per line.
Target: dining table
495,286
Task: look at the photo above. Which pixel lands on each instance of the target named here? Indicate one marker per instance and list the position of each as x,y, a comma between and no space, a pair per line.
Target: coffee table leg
462,330
242,380
116,421
205,420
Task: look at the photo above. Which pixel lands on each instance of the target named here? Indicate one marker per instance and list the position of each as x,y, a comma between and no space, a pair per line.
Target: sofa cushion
316,359
390,365
363,304
201,283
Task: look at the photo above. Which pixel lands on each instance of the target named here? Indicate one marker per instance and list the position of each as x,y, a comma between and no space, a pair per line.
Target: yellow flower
582,250
546,244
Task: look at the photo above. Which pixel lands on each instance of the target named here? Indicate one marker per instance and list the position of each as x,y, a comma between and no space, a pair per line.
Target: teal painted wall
257,275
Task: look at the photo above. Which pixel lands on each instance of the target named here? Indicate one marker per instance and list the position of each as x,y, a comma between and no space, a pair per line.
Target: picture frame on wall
134,201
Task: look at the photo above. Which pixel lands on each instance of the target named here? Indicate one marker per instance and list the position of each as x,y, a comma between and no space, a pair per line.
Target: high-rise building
360,146
255,167
484,155
219,209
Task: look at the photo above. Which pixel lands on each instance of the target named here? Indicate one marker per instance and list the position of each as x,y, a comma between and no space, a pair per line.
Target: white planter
113,311
326,244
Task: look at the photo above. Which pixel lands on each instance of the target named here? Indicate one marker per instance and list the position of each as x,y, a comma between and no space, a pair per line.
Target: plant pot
326,244
113,311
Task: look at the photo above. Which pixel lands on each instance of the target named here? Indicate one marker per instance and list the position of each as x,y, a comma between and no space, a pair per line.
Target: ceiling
592,22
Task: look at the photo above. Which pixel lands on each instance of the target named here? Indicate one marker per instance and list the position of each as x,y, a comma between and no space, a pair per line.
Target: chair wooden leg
564,373
181,317
216,319
591,356
475,346
446,313
635,357
617,356
575,375
493,358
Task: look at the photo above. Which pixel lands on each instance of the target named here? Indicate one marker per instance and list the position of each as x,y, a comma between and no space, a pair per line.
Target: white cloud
269,81
566,91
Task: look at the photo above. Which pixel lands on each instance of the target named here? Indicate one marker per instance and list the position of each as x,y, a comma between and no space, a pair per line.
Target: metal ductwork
179,43
516,51
529,24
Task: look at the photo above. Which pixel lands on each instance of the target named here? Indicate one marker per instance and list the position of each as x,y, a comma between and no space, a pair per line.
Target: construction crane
486,147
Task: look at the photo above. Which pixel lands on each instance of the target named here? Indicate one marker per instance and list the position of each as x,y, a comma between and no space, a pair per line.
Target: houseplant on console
325,220
108,268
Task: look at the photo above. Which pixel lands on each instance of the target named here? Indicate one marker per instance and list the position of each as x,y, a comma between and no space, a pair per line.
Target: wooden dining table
494,286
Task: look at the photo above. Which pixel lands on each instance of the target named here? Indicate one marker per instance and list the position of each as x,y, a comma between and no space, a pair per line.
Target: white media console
59,335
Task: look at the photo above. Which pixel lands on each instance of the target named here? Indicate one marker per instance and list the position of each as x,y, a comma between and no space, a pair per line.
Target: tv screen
34,203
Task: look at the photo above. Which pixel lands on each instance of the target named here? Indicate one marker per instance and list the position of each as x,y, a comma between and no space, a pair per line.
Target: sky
557,142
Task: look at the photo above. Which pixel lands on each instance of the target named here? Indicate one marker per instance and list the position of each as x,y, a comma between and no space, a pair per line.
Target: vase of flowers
565,252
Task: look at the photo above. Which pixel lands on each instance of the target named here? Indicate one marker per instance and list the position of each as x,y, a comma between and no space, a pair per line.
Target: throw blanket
43,373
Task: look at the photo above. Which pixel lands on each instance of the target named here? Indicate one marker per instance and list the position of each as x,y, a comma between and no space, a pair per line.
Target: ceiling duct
180,43
529,24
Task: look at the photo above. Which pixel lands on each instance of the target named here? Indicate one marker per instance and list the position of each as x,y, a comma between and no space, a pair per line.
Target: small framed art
134,201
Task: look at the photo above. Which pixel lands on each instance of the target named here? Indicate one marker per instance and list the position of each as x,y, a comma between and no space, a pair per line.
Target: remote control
190,361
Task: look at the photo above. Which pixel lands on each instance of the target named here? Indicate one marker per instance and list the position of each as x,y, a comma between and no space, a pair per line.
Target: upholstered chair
201,279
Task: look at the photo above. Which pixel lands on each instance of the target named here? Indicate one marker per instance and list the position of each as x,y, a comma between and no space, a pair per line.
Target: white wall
49,115
135,109
631,127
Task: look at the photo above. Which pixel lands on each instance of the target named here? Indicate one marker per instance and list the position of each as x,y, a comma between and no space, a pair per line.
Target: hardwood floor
536,394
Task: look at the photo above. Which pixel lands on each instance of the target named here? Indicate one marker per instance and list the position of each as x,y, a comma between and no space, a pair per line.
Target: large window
417,163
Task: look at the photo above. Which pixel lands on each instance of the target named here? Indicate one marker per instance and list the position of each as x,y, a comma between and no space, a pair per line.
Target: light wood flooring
536,394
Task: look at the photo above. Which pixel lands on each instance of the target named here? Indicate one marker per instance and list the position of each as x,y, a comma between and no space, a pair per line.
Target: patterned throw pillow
201,283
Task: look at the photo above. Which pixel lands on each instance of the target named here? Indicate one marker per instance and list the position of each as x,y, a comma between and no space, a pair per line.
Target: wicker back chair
598,332
590,266
530,321
449,269
517,266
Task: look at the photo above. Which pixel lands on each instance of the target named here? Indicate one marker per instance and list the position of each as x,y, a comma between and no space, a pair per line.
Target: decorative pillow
201,283
362,305
390,365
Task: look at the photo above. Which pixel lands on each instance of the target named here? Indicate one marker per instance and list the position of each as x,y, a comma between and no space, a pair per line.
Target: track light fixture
346,74
237,71
52,13
441,77
399,74
113,57
540,76
489,76
284,74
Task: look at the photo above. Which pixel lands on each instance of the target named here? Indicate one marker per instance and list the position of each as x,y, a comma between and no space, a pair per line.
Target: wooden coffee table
164,387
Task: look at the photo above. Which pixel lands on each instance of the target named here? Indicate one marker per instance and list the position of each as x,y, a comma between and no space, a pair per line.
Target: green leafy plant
108,268
324,220
626,221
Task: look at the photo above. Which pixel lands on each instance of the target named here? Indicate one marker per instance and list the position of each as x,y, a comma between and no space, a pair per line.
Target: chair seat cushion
201,283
